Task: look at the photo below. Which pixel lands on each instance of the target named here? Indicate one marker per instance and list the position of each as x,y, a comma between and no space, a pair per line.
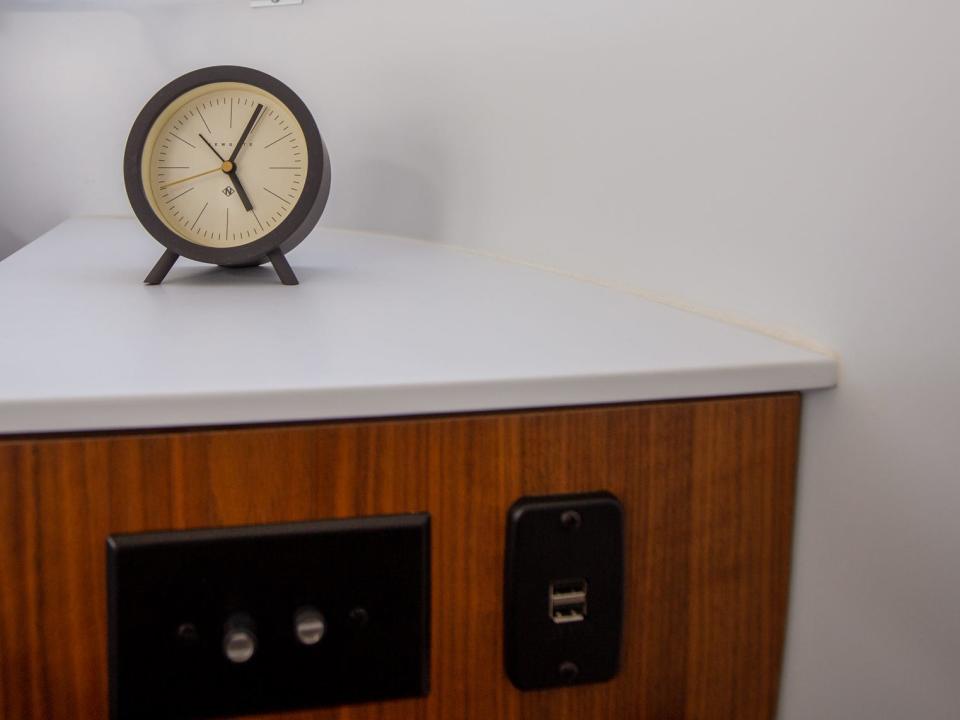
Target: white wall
796,163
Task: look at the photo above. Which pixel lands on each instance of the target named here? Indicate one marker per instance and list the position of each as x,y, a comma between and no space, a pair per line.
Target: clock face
224,164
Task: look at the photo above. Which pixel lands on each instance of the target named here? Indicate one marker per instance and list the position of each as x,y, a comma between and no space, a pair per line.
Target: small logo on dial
228,191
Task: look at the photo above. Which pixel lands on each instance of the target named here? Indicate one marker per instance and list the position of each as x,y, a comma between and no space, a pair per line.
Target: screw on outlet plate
568,671
359,617
571,520
188,635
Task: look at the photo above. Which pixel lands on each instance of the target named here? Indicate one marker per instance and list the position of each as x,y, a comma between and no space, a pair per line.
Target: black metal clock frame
271,247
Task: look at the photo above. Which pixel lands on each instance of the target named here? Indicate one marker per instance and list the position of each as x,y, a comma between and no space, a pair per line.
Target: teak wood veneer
707,487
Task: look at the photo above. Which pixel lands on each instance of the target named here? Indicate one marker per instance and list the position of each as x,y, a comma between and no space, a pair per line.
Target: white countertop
379,326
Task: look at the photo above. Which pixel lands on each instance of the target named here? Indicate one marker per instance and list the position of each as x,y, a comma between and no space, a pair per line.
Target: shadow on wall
404,202
9,241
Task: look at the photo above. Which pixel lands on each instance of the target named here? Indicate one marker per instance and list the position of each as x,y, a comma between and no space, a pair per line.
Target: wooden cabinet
707,487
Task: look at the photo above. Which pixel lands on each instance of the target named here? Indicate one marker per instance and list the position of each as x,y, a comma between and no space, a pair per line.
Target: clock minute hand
246,131
244,198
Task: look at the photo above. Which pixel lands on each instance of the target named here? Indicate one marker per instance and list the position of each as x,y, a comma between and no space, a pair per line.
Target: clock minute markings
204,121
254,118
198,217
257,123
180,195
281,199
278,140
182,140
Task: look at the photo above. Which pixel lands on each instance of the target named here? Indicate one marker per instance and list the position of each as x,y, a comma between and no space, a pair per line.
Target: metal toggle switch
239,640
310,626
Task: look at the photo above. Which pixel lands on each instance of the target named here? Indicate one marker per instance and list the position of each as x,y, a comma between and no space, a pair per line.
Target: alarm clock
225,165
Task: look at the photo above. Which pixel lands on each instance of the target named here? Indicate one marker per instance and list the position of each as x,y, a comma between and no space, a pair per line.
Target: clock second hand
232,174
192,177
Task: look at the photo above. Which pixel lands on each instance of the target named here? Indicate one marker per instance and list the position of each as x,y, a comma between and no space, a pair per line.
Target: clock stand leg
162,267
284,271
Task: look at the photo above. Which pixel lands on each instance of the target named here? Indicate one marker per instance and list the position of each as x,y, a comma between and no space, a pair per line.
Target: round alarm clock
225,165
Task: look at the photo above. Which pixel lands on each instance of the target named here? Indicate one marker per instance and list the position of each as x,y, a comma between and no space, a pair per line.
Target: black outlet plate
566,541
370,577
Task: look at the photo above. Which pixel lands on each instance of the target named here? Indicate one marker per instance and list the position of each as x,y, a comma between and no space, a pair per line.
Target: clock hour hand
246,131
222,158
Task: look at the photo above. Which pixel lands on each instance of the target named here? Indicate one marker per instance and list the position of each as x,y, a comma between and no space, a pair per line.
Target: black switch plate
173,595
563,590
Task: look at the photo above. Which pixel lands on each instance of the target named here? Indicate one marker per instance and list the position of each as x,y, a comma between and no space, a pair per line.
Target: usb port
567,588
563,614
568,601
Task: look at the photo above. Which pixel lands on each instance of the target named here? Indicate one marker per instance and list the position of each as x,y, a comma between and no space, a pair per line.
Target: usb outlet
557,546
567,601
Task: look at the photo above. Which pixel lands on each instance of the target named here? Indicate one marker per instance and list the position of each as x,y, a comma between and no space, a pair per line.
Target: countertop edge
63,415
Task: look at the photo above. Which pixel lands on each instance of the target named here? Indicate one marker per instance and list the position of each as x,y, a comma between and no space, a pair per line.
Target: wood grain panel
707,488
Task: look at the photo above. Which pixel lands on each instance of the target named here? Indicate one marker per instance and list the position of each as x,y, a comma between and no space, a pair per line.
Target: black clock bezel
290,231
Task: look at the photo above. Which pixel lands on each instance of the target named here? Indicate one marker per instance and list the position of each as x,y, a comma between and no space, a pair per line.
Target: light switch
268,618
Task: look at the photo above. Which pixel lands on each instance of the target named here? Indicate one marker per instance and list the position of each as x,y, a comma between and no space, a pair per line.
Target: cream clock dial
225,165
188,166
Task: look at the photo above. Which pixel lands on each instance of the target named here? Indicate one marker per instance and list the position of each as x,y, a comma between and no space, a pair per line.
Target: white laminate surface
379,326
